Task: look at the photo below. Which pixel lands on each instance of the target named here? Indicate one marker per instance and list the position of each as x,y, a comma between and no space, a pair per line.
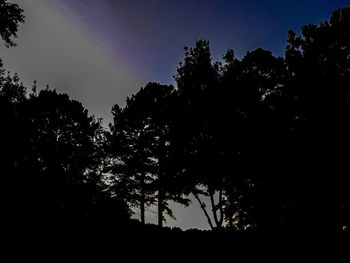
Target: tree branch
204,210
214,209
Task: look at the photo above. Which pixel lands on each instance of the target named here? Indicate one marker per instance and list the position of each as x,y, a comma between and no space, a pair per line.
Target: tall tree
252,87
60,159
228,113
198,84
140,141
13,138
128,158
318,62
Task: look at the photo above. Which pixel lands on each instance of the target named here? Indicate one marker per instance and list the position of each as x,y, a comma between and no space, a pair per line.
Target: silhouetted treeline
264,138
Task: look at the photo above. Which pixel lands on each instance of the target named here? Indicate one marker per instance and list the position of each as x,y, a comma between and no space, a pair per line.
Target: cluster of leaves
11,16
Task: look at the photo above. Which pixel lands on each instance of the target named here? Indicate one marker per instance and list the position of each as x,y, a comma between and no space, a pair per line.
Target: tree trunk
230,222
216,207
221,220
161,194
160,207
213,209
142,200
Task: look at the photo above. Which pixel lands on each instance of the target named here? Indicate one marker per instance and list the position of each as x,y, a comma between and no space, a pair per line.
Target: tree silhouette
11,15
128,159
51,159
246,108
61,157
12,139
197,131
317,96
141,141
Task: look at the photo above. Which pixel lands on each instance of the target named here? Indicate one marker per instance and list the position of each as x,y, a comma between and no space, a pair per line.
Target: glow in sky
56,50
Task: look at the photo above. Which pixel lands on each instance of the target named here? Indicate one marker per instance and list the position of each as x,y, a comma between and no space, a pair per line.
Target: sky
102,51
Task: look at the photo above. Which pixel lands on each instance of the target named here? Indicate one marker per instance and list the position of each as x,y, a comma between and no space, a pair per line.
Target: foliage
11,15
139,143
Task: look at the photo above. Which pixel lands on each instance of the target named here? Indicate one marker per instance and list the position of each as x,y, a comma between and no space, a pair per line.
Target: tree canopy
263,139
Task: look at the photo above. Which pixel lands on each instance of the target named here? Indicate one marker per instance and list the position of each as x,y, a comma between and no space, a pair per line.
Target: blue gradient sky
148,35
101,51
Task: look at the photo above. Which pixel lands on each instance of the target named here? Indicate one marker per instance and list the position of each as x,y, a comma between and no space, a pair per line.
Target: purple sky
149,35
101,51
